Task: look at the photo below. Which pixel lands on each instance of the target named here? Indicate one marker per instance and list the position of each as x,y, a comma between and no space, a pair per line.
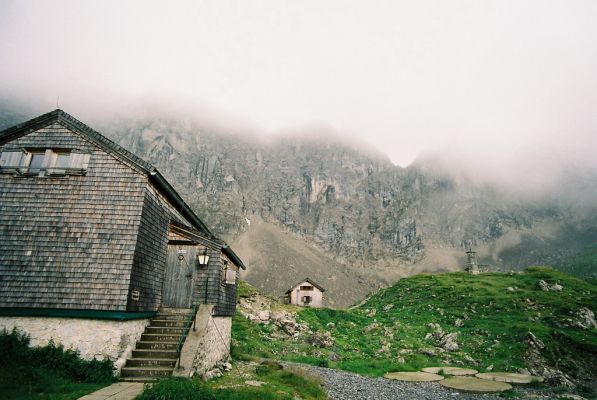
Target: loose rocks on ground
341,385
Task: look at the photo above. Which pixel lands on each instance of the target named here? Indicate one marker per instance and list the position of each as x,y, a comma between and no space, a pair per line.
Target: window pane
37,160
62,160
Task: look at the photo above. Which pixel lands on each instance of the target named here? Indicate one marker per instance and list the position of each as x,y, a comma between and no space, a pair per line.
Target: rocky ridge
351,203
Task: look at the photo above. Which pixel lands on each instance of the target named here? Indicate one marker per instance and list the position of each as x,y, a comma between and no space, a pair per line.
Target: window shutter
10,159
79,160
230,276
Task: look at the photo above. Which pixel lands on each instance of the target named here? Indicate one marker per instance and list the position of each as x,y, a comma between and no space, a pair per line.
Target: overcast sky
483,77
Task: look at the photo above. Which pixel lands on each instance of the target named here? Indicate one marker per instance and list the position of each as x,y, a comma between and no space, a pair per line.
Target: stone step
151,372
173,317
159,337
141,379
175,311
167,323
156,345
152,353
163,330
151,362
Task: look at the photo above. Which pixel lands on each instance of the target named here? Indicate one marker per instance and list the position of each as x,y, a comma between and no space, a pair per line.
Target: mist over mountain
310,203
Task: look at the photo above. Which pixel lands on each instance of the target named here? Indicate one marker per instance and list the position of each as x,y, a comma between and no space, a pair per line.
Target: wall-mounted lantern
135,295
203,258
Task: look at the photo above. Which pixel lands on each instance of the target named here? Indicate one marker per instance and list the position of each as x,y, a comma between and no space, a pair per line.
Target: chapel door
178,278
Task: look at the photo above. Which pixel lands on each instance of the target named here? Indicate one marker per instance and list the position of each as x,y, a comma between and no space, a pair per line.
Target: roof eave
156,177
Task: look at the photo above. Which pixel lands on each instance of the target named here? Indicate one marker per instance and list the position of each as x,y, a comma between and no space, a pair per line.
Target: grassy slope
496,323
276,383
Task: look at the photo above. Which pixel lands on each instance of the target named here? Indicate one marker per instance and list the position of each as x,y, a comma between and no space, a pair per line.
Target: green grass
48,372
495,323
288,383
245,290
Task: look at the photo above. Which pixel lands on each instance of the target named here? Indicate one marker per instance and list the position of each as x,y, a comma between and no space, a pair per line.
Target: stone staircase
155,355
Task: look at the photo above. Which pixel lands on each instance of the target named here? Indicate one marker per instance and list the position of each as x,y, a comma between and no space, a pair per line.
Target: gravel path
341,385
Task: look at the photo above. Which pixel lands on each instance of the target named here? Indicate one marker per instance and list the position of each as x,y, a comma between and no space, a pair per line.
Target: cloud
490,78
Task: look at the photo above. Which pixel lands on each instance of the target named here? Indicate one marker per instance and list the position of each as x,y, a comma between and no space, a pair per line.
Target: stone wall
100,339
215,344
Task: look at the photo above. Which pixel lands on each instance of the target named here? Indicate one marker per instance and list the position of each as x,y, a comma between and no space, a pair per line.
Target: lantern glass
203,258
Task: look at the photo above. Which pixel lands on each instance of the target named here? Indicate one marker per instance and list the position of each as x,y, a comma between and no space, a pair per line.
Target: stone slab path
342,385
116,391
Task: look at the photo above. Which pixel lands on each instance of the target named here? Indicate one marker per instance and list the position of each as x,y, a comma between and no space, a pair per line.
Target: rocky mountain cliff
367,219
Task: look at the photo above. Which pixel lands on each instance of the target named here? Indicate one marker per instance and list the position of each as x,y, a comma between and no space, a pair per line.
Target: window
62,160
307,299
229,273
42,162
306,287
36,161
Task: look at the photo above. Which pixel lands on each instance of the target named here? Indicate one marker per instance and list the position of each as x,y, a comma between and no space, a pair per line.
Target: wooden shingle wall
150,256
206,288
226,302
151,253
211,278
69,242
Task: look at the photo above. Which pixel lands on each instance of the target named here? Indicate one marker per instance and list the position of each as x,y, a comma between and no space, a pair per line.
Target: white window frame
77,162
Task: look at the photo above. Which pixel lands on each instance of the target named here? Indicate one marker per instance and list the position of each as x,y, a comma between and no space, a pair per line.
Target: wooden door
178,278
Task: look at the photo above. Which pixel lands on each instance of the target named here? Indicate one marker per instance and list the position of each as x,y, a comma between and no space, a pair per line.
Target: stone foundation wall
215,344
100,339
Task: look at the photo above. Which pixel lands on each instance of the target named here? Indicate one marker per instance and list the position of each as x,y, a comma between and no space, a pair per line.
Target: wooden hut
94,238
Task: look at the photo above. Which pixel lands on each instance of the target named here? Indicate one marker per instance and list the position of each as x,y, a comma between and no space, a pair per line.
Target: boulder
214,373
585,319
226,366
534,341
556,287
448,342
263,316
277,316
321,339
428,352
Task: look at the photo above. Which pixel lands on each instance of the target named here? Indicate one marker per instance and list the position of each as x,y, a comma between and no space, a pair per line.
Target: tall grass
278,383
48,372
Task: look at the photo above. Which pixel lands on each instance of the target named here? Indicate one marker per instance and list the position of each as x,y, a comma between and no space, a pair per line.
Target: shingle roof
109,146
306,280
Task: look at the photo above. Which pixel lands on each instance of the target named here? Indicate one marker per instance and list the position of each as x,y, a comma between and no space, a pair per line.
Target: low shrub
177,389
323,363
15,350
